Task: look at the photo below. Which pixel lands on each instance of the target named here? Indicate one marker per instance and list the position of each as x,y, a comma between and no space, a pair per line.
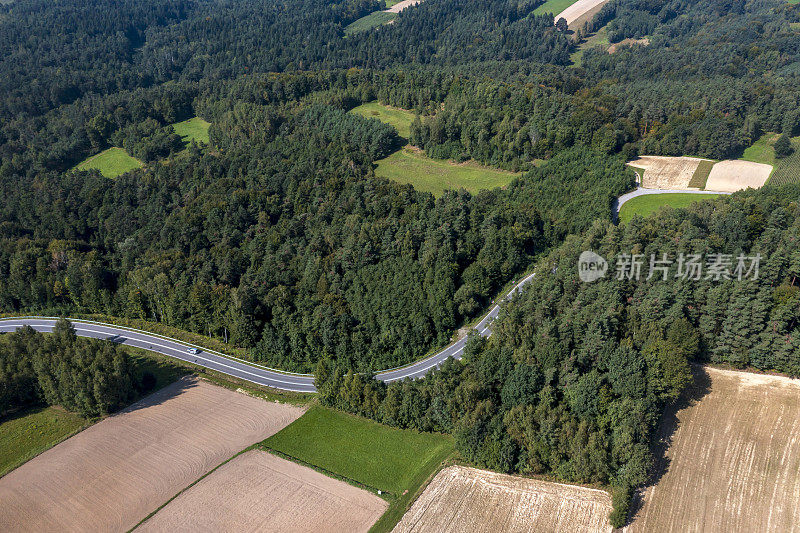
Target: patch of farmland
787,169
369,22
732,464
258,491
399,6
627,43
732,176
411,165
467,499
113,474
577,9
666,172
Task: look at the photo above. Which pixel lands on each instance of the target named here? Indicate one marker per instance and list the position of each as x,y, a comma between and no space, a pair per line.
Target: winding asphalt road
251,372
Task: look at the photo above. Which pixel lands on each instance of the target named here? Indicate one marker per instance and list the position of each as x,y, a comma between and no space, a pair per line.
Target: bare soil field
625,43
579,8
470,500
733,463
666,172
258,491
113,474
732,176
398,7
586,17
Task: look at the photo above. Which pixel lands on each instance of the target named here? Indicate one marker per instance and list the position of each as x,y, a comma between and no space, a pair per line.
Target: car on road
193,351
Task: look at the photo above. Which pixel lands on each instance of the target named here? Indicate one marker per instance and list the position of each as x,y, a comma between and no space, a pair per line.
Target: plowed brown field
662,172
113,474
257,491
468,500
733,463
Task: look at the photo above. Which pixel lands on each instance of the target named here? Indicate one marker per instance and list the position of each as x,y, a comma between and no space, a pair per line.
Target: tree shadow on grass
668,425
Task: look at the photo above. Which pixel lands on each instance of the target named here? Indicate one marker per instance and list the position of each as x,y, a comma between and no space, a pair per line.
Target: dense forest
283,242
87,376
277,236
574,377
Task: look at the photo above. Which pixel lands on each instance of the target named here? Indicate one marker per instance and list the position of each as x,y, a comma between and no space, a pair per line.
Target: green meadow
111,163
28,433
399,118
395,461
193,129
649,204
431,175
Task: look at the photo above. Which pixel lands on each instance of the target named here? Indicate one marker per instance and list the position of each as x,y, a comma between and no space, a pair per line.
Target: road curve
238,368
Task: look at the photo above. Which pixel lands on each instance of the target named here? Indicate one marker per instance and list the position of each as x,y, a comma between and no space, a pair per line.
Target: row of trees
88,376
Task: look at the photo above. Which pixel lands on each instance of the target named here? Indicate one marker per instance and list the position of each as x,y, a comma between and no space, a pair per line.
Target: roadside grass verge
111,163
192,129
649,204
410,165
368,22
27,433
399,118
701,173
364,453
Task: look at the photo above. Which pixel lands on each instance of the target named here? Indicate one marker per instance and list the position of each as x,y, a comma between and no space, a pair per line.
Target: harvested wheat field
734,461
662,172
467,499
113,474
258,491
579,8
735,175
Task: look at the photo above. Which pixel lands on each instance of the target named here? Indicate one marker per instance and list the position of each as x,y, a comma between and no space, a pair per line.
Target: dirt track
113,474
257,491
734,460
463,499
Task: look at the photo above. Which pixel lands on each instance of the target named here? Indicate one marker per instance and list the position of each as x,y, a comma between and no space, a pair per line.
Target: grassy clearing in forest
193,129
399,118
650,203
430,175
111,163
599,38
786,169
368,22
761,151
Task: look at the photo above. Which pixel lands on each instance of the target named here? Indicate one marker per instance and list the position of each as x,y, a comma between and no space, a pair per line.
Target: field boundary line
268,449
